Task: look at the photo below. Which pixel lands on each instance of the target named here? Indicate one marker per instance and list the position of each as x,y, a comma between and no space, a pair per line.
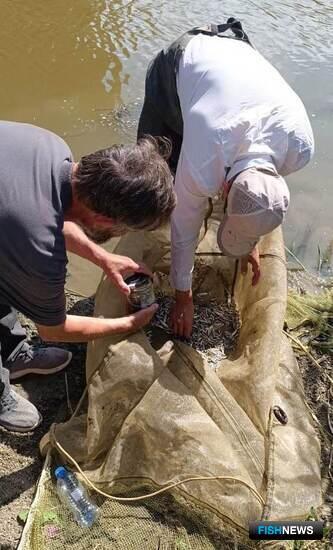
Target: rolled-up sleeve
186,222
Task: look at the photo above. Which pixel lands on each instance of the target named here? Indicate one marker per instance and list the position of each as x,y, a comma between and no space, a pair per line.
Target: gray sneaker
37,360
16,413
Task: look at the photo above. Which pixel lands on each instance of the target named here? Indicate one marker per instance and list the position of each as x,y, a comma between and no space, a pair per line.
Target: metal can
142,291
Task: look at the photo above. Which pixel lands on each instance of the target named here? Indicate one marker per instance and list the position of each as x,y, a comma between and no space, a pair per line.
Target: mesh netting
243,203
161,523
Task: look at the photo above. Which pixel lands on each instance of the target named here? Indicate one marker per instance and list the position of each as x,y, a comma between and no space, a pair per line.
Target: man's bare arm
83,329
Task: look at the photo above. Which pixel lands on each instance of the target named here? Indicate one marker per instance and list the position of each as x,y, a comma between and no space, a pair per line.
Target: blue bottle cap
60,472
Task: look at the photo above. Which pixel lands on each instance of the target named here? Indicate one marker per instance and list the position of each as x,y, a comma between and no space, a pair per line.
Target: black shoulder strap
232,24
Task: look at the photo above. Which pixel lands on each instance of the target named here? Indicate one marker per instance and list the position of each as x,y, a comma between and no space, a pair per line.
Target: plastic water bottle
75,497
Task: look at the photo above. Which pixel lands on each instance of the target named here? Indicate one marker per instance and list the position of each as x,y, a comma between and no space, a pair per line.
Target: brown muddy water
77,67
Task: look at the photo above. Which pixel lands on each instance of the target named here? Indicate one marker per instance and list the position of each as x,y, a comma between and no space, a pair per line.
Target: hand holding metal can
142,293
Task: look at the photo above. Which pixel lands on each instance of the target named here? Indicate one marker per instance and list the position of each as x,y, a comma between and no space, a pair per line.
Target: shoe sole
18,429
25,372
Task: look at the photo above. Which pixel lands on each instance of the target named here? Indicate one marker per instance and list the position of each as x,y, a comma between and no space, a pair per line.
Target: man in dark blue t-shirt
50,205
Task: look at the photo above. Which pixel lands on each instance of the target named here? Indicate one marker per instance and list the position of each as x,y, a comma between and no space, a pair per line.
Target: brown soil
319,397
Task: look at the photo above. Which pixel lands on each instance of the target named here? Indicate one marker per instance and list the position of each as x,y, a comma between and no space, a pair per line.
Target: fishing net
156,413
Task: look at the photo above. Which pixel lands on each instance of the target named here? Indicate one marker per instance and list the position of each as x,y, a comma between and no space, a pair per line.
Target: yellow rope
162,490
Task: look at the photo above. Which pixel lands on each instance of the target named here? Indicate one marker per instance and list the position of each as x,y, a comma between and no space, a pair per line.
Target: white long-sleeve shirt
238,112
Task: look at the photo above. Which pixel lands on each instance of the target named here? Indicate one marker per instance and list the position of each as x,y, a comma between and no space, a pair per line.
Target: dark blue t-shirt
35,192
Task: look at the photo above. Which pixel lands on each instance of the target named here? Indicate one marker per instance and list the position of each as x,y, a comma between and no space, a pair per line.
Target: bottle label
76,494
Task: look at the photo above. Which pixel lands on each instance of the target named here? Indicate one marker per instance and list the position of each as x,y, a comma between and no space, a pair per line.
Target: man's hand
116,267
137,320
77,328
181,316
254,260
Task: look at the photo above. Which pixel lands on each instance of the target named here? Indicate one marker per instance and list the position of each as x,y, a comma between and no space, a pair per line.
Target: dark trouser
161,112
12,336
152,124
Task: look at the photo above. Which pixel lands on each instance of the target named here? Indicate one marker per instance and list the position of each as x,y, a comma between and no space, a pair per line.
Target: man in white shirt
237,128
